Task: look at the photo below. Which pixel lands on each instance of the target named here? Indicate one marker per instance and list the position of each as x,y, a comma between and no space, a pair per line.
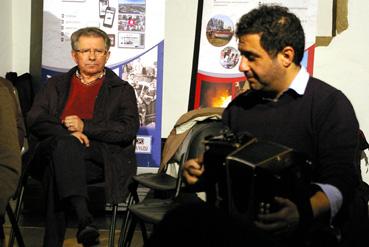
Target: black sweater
321,123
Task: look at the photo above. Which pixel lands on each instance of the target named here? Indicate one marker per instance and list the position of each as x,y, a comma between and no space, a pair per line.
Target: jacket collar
111,79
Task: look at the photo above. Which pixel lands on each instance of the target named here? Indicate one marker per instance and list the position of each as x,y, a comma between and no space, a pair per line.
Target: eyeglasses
88,52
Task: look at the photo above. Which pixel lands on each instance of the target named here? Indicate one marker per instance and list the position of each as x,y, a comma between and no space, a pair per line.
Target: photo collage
130,17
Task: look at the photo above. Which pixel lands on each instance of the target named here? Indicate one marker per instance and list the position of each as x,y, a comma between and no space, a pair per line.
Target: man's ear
107,56
287,55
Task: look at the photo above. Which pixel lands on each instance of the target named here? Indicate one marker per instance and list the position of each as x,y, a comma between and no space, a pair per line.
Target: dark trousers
199,224
65,167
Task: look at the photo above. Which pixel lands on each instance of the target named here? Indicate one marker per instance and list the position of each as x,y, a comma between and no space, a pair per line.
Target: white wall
180,28
6,37
15,23
21,31
344,63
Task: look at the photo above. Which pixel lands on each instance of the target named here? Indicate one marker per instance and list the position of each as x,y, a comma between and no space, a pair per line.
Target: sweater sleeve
337,142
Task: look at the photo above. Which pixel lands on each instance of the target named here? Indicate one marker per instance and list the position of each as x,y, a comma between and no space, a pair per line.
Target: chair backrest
181,129
193,145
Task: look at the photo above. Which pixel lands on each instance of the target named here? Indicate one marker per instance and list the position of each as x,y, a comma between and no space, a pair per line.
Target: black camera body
244,174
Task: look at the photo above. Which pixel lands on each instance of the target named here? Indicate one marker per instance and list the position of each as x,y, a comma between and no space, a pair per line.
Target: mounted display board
136,30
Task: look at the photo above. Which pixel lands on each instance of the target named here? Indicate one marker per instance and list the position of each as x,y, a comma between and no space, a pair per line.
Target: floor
32,231
31,221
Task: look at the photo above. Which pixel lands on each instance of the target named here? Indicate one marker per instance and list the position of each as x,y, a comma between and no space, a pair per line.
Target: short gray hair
89,32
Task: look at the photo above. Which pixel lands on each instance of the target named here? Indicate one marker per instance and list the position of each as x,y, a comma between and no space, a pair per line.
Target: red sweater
81,99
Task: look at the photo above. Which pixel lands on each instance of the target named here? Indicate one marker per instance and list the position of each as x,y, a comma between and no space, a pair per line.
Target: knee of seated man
67,142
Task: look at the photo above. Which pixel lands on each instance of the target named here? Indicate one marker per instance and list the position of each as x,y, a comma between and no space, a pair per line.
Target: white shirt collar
300,82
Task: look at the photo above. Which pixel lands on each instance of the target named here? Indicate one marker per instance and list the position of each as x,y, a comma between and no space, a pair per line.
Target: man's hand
82,138
73,123
193,169
285,220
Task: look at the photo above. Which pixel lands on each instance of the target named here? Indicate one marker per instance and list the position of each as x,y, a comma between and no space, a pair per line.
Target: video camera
243,174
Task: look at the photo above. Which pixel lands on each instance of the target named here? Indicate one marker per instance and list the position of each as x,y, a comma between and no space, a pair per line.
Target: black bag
23,84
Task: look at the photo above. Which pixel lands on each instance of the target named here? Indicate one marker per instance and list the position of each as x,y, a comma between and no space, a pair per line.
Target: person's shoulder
2,80
4,89
316,85
58,78
5,83
7,88
57,82
323,93
321,89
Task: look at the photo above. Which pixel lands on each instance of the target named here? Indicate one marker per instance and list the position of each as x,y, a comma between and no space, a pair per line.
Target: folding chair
152,210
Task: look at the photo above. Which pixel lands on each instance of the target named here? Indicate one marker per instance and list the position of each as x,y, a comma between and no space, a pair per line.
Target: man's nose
92,55
244,64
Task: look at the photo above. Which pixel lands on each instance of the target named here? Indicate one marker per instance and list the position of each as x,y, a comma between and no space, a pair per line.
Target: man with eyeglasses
85,122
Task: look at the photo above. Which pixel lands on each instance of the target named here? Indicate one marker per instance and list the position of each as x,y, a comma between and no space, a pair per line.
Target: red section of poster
215,91
310,59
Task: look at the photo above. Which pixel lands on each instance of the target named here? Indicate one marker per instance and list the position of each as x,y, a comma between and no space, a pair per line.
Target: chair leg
144,232
126,239
15,226
132,198
125,224
18,207
131,226
112,226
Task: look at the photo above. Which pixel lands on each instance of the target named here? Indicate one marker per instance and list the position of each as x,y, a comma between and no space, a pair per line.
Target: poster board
136,31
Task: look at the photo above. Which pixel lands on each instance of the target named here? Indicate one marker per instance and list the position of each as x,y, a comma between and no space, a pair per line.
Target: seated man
11,140
288,106
84,121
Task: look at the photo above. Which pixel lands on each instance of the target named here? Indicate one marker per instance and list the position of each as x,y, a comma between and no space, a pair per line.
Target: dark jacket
115,124
10,162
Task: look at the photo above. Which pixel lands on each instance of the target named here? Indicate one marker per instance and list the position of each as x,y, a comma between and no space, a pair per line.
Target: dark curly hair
277,27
